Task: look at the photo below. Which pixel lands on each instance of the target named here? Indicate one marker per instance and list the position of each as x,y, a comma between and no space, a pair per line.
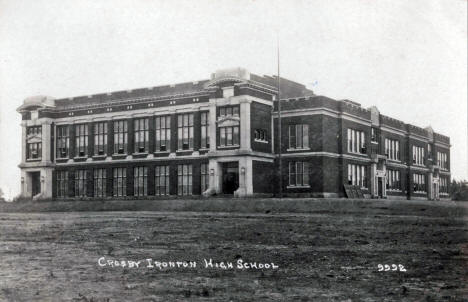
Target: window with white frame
63,141
34,149
205,177
205,130
80,183
261,135
357,175
418,155
140,181
393,180
228,134
298,136
184,180
81,140
443,185
141,135
185,131
442,160
119,182
120,137
100,138
298,174
356,141
163,133
419,183
62,184
392,149
100,182
161,180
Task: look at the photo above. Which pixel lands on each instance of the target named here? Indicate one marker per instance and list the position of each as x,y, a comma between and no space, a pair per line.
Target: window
140,181
228,111
443,185
185,131
81,140
418,155
205,177
356,141
100,182
260,135
141,135
80,183
63,141
34,130
120,137
205,130
392,149
100,138
33,150
357,175
299,174
299,136
163,133
62,184
184,180
119,182
419,183
393,180
161,180
229,136
374,135
442,160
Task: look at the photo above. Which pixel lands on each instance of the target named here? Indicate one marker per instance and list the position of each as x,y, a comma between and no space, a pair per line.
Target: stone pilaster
245,142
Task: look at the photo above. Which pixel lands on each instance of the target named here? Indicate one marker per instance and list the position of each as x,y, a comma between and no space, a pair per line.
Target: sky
408,58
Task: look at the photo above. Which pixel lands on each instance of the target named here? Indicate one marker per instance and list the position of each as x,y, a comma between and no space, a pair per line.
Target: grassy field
325,250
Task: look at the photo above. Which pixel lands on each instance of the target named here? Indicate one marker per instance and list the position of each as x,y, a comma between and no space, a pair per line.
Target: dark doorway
35,183
230,177
380,187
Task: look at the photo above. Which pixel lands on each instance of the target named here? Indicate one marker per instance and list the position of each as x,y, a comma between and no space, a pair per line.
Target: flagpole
279,122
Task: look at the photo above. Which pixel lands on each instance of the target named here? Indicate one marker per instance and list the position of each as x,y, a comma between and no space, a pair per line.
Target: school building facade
221,136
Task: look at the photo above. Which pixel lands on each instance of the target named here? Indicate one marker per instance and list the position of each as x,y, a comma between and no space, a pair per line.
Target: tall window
161,180
393,180
141,135
140,181
205,130
163,133
298,174
357,175
374,135
185,131
356,141
100,138
184,180
119,182
33,150
62,184
63,141
205,177
418,155
81,140
442,160
100,182
229,136
120,137
80,183
392,149
419,183
443,185
299,136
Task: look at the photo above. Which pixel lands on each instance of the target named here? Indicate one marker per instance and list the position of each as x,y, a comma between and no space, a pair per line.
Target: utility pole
280,168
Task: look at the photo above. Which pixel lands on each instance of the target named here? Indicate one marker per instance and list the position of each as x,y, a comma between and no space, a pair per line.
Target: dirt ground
331,252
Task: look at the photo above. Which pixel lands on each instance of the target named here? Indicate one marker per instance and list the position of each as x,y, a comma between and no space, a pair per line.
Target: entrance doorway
35,183
230,177
380,187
